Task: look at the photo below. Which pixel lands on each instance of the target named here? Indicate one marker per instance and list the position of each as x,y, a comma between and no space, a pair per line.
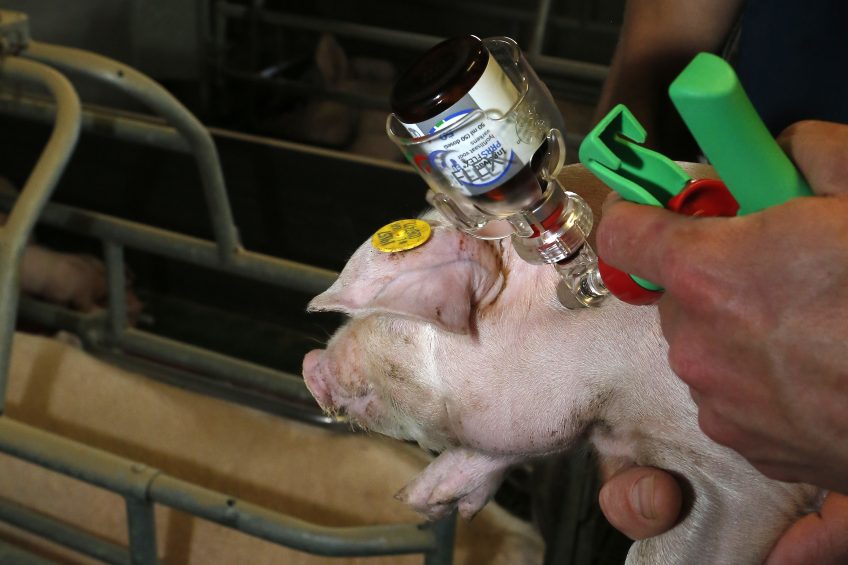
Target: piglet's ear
440,282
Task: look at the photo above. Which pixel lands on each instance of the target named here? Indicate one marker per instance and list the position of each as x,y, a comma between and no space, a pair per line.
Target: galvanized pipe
189,379
121,126
540,24
445,532
38,188
153,132
63,534
385,36
139,482
141,525
353,98
417,41
163,103
576,69
217,365
513,14
193,250
257,521
77,460
235,380
117,287
146,130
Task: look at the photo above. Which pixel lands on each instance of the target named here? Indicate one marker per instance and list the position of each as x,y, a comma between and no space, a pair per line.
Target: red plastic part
624,287
548,223
702,197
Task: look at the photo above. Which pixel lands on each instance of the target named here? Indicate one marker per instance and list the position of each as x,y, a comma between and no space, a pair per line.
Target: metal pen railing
142,486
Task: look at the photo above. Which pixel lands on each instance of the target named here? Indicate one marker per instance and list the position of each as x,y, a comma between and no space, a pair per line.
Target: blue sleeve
793,60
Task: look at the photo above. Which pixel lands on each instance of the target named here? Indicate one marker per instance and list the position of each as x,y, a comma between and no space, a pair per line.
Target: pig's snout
315,380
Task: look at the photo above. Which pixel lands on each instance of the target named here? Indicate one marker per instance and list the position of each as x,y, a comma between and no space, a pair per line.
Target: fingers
641,502
820,151
646,240
816,538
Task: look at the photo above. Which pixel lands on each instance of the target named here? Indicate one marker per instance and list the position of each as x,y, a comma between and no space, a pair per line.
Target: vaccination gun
755,172
486,136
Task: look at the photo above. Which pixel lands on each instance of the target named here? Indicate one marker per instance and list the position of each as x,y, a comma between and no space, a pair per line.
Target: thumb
638,239
641,502
816,538
820,151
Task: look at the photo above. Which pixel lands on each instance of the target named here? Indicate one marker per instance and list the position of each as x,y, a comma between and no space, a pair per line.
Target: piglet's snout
315,377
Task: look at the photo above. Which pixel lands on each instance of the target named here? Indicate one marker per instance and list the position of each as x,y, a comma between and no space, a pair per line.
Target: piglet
462,346
73,280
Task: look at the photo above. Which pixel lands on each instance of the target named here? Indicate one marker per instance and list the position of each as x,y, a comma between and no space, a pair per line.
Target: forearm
658,38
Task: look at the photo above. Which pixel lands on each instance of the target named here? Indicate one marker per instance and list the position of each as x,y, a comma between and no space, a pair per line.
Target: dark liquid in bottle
437,81
522,191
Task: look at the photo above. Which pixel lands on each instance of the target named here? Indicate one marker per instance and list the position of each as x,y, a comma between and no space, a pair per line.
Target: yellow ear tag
401,235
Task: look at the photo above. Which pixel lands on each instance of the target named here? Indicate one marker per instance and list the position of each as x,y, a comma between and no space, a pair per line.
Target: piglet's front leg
460,478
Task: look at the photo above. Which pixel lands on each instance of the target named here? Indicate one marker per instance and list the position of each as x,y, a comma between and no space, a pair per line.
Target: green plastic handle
731,134
612,151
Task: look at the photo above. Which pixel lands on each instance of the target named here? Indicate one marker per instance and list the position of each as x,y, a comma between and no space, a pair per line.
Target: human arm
657,39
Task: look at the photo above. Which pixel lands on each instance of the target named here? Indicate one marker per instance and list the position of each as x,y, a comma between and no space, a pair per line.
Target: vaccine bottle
493,160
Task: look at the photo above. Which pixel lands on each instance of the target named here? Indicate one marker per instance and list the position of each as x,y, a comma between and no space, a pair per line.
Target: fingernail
642,497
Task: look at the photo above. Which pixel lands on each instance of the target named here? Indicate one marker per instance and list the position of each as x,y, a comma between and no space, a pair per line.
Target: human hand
755,312
644,502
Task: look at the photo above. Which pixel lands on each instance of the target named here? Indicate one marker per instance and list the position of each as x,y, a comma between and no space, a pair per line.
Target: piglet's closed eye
440,282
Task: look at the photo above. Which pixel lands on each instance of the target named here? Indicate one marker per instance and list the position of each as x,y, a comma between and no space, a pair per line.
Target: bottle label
483,153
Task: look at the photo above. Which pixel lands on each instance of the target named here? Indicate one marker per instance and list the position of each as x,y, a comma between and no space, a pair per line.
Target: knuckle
715,427
687,362
775,471
690,272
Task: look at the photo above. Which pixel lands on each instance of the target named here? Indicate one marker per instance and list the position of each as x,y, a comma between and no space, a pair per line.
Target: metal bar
223,367
201,252
60,318
190,380
142,529
540,23
74,459
148,130
571,68
445,532
162,102
360,100
11,555
257,521
115,277
135,129
417,41
493,11
93,327
62,533
40,184
135,480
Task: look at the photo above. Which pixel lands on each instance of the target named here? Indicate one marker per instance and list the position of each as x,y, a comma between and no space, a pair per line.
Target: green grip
731,134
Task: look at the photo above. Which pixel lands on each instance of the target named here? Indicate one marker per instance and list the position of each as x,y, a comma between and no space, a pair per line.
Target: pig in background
462,347
318,475
320,120
74,280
